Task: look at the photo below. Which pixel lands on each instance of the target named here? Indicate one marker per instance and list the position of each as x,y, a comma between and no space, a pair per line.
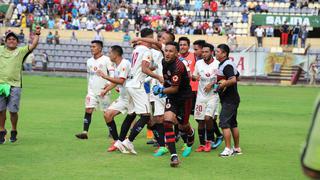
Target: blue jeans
295,38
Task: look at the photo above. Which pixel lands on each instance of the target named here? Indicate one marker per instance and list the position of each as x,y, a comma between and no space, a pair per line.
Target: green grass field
273,124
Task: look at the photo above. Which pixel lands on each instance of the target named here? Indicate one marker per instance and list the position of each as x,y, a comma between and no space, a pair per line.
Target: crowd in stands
117,15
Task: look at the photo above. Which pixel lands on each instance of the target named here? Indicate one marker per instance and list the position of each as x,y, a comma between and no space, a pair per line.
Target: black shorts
181,108
228,115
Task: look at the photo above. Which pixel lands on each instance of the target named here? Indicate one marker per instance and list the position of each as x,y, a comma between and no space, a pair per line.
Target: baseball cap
9,34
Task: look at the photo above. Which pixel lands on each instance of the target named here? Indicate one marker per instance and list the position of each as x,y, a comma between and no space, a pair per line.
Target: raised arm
35,39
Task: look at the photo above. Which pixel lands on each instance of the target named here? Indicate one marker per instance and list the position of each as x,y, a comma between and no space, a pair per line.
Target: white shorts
97,102
206,107
159,104
121,105
138,100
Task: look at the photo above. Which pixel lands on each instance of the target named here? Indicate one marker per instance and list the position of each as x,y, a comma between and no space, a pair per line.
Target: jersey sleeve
228,71
124,70
147,56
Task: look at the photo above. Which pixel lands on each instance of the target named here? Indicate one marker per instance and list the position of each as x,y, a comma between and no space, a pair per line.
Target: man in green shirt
11,59
310,158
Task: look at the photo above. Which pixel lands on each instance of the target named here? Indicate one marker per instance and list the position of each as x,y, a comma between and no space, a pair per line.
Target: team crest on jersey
95,68
175,78
169,73
123,69
168,105
208,74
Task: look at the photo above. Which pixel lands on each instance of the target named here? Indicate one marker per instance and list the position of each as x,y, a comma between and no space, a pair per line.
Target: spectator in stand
98,36
259,32
258,8
116,25
51,23
197,8
217,20
20,9
187,5
206,7
74,12
295,34
90,24
304,35
292,4
217,29
23,21
214,8
126,37
50,38
76,24
304,4
28,63
2,18
45,61
251,6
209,31
204,27
83,10
73,36
269,31
264,7
125,25
191,30
232,41
252,28
228,24
284,29
21,36
57,38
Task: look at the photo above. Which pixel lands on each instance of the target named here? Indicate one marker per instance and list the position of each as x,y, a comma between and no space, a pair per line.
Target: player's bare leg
227,137
86,124
236,139
14,122
3,132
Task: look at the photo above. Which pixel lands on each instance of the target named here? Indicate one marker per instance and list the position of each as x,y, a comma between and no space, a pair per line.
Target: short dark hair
97,42
171,35
209,46
184,39
117,49
175,44
146,32
199,43
224,48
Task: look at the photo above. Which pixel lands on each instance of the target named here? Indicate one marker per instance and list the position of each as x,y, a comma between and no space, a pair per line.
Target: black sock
176,131
138,127
216,128
170,137
160,134
210,135
113,130
126,126
201,133
86,121
184,137
190,137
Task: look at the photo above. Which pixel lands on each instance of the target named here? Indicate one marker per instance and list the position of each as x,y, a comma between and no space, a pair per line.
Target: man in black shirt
178,103
229,98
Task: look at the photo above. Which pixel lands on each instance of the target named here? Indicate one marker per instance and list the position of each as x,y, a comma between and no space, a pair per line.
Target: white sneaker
121,148
226,152
129,146
237,151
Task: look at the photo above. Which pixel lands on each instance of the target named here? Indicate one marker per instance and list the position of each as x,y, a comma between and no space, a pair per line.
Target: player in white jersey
207,100
138,98
96,84
120,105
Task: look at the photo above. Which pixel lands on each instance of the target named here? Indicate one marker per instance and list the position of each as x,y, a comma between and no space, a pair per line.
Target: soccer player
156,123
178,102
230,99
120,105
138,98
197,47
207,100
96,84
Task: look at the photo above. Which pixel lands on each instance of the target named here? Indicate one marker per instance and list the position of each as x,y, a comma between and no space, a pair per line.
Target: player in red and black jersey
179,101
